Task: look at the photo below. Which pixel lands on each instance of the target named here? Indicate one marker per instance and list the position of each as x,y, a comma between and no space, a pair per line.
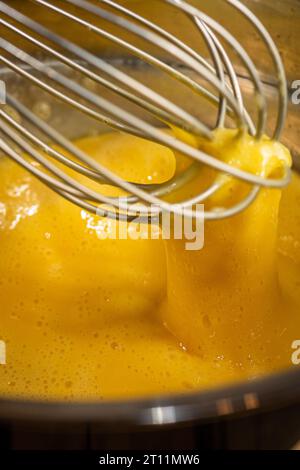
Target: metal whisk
218,74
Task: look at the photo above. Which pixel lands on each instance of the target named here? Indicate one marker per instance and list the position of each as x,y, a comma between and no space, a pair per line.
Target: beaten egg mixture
84,316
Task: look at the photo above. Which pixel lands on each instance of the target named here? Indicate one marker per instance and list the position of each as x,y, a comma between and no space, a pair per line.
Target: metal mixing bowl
261,413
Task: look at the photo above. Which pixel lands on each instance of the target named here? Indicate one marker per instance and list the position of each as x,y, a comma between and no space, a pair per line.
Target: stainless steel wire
217,72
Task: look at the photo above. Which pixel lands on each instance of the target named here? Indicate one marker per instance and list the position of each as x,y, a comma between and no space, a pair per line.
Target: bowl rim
253,396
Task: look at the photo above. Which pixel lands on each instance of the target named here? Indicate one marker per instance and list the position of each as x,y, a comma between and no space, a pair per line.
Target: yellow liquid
85,317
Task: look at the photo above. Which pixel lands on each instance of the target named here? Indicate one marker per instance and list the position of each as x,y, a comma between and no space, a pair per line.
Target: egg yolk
86,315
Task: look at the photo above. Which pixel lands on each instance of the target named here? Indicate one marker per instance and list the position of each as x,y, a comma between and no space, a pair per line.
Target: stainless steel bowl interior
282,18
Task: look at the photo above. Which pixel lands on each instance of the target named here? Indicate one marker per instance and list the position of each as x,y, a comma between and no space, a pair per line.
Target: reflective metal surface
260,401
